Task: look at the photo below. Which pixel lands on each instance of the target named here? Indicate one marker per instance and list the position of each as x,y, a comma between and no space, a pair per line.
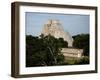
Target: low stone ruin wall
72,52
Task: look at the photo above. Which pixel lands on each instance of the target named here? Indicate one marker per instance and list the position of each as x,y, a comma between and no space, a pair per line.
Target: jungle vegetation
46,50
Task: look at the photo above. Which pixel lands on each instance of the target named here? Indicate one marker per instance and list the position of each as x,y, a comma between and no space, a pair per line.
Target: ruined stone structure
54,28
72,52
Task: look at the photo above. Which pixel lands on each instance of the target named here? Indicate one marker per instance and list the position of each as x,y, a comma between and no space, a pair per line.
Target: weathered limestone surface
72,52
54,28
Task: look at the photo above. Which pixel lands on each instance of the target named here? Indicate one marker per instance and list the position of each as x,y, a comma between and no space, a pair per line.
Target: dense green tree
62,43
82,41
44,50
83,60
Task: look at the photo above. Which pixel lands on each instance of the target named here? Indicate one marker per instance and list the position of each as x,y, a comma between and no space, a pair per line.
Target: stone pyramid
54,28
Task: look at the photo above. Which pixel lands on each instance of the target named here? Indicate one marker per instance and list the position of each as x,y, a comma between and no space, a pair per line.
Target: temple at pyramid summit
55,28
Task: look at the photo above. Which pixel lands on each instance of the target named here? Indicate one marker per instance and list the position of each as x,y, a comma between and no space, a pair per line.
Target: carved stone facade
54,28
72,52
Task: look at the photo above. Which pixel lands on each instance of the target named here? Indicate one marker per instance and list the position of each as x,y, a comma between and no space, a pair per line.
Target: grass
75,61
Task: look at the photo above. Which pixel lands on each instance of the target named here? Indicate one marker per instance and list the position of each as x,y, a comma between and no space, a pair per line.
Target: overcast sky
74,24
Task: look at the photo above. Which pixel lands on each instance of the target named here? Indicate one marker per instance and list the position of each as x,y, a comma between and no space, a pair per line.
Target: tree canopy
82,41
44,50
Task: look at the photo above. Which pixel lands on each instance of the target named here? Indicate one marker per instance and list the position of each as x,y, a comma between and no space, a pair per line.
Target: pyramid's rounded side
54,28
